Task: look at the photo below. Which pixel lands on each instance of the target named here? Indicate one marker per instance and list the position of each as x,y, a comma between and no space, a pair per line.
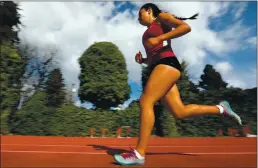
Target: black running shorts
171,61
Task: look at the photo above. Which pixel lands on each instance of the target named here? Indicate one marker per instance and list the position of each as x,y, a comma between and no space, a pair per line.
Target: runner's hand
138,58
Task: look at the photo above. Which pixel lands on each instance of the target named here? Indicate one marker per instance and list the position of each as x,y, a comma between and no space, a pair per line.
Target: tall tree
39,64
213,87
12,68
10,18
211,79
103,77
55,89
11,63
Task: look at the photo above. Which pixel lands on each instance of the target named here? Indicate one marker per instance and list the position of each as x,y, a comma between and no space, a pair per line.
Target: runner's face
144,17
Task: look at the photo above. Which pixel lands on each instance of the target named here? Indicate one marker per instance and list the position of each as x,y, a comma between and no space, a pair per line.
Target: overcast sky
224,35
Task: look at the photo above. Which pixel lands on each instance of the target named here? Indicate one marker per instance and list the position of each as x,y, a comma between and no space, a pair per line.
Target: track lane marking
104,153
121,146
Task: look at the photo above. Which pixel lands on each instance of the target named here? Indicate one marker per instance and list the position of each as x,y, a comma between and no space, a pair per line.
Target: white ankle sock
138,155
220,108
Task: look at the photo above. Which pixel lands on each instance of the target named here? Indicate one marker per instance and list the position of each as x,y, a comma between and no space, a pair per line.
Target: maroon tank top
163,49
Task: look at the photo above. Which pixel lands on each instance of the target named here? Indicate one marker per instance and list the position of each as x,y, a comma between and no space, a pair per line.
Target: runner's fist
138,57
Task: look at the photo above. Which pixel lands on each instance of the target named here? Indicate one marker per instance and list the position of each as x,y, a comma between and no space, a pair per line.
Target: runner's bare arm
181,28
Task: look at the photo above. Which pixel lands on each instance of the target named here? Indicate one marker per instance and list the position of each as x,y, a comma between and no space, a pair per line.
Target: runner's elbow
187,28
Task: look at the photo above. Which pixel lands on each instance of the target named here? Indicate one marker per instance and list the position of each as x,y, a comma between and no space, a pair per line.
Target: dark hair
156,11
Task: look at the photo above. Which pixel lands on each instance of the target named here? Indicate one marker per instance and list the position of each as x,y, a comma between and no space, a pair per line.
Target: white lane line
103,153
224,153
49,152
123,146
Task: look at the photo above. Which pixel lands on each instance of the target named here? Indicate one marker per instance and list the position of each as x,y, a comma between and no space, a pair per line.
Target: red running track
33,151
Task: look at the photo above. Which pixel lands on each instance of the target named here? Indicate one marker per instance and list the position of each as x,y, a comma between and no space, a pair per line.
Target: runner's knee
146,100
179,115
179,112
186,111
